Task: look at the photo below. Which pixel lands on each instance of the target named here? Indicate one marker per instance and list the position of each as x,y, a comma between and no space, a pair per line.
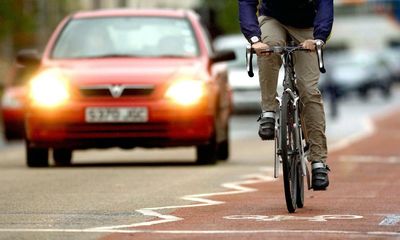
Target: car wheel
386,91
207,153
62,157
223,147
37,157
9,134
13,133
223,150
363,93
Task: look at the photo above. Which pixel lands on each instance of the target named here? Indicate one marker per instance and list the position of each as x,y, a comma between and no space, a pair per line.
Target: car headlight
187,92
49,89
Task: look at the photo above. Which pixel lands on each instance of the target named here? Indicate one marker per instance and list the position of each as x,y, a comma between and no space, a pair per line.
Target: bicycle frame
289,85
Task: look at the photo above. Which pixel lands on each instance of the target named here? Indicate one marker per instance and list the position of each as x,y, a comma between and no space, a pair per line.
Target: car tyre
363,93
386,91
37,157
62,157
207,153
223,148
11,135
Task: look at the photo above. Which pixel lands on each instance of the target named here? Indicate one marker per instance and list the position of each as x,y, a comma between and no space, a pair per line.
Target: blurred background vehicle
14,96
12,111
128,78
246,90
358,72
392,56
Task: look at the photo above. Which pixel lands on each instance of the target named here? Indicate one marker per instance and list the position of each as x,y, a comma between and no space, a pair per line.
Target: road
162,194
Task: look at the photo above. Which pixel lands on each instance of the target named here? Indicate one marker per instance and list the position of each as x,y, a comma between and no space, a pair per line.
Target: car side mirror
28,58
222,56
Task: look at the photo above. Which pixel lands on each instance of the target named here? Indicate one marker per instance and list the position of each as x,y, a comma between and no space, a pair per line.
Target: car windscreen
126,37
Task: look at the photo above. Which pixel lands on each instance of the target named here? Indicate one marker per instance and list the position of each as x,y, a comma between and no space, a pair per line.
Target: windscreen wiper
170,56
112,56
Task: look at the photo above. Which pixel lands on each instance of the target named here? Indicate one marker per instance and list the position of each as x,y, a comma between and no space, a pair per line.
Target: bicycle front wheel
288,153
300,186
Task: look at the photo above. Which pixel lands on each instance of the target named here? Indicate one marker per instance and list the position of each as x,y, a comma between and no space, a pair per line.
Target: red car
128,78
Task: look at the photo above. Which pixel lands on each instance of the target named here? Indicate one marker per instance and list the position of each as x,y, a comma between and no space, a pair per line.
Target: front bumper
168,125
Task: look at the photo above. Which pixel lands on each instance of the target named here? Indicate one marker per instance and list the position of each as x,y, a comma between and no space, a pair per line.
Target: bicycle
289,137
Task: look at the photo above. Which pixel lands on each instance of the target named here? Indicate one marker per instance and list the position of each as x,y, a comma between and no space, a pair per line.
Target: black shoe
267,126
320,179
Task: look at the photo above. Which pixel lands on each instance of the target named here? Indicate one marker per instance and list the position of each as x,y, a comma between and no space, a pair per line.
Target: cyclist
305,22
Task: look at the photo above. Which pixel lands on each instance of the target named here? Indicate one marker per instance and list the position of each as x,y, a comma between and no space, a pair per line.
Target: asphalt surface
111,191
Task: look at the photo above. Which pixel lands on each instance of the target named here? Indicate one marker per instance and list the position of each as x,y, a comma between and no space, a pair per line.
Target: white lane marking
201,199
207,232
369,129
390,220
279,218
370,159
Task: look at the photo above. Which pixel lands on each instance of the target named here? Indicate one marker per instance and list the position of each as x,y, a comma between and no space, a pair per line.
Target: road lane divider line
200,199
207,232
370,159
369,129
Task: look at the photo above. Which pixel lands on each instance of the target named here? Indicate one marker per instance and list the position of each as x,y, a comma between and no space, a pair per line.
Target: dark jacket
296,13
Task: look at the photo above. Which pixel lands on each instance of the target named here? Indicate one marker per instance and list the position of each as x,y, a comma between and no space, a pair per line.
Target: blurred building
366,24
94,4
365,31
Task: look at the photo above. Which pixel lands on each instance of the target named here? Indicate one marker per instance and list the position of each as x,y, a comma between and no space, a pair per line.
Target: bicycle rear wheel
289,157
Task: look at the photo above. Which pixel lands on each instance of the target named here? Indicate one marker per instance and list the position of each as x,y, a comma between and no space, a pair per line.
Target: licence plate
116,114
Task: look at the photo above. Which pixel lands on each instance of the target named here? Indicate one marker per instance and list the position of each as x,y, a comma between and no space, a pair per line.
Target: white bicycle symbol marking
278,218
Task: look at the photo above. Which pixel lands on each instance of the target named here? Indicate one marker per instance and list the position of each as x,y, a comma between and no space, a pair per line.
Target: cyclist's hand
259,47
309,44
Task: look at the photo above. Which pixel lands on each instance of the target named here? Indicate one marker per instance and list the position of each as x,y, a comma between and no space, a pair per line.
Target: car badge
116,90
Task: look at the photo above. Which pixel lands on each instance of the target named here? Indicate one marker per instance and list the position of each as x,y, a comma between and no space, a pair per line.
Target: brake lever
249,60
318,45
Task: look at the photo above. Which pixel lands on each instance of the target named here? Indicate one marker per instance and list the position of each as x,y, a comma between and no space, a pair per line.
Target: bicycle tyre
300,186
289,165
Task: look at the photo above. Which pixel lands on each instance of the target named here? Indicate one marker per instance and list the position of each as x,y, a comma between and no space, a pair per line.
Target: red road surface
365,183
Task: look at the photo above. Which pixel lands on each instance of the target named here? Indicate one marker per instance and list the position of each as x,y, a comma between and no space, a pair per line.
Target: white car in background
246,90
359,72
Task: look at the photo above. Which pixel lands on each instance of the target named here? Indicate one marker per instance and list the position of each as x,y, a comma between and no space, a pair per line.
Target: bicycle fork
278,136
298,137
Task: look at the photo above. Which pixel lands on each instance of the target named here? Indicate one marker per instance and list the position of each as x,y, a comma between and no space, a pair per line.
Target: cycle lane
362,201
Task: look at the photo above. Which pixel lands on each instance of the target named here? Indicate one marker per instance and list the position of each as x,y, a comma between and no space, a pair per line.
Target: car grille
117,91
116,128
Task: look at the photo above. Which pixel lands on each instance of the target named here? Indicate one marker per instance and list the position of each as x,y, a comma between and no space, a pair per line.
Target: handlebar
318,46
283,50
249,60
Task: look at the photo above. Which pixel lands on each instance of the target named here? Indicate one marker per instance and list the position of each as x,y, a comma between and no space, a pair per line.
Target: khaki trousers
307,73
